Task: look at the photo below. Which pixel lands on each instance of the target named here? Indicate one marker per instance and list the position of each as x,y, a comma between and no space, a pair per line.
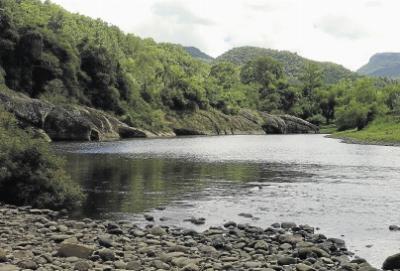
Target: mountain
293,63
382,64
197,53
92,74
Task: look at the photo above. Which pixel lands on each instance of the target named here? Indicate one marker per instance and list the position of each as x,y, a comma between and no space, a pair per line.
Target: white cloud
341,27
342,31
177,12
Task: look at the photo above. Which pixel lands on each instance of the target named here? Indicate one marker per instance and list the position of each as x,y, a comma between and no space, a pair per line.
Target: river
348,191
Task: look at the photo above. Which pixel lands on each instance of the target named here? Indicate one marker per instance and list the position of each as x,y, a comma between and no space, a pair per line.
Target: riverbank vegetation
51,54
384,130
29,173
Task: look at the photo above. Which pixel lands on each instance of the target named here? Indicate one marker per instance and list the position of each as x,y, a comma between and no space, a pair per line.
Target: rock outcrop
70,122
245,122
80,123
291,125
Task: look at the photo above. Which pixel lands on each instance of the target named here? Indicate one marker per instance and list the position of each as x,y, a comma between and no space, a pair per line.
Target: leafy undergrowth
30,174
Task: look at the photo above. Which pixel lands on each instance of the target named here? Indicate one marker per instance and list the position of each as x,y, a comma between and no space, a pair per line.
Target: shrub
317,119
29,173
354,115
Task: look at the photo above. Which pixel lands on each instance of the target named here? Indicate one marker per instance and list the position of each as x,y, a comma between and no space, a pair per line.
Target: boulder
312,251
28,264
392,262
75,250
273,124
286,124
286,260
296,125
106,254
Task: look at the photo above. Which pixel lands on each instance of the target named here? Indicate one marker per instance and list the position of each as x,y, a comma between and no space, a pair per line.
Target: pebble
52,242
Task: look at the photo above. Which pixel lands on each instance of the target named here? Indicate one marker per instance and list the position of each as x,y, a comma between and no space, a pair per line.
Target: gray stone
105,241
82,266
303,267
160,265
106,254
28,264
286,260
392,262
77,250
134,265
288,225
158,231
120,265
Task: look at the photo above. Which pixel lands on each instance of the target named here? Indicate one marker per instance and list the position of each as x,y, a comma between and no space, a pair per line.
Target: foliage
49,53
196,53
293,64
29,173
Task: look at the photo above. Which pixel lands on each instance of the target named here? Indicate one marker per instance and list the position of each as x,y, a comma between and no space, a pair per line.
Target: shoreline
43,240
348,140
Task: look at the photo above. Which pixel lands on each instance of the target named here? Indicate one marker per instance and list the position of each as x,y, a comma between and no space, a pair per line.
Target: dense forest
292,63
51,54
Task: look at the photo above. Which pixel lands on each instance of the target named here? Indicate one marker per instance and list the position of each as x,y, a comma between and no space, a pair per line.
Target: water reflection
343,189
117,184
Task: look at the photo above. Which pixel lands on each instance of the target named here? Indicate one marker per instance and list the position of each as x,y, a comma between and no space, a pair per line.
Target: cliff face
73,122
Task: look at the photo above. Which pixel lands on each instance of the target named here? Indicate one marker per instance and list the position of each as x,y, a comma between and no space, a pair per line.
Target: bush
354,115
317,119
29,173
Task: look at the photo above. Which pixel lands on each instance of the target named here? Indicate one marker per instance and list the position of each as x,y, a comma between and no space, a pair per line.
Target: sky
347,32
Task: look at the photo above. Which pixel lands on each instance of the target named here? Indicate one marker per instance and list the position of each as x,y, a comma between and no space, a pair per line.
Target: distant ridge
292,62
382,65
197,53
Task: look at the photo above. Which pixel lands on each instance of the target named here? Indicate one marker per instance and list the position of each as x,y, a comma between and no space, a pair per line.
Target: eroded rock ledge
73,122
70,122
43,240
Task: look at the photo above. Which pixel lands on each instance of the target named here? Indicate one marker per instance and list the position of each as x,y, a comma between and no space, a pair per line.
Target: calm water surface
347,190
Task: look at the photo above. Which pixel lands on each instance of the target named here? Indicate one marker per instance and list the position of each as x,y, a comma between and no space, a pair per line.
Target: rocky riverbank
81,123
35,239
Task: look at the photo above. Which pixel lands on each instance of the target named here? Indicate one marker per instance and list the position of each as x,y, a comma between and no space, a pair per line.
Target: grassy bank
384,130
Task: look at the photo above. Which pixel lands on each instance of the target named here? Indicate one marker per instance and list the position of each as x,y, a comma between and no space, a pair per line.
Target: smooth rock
28,264
286,260
77,250
106,254
82,266
392,262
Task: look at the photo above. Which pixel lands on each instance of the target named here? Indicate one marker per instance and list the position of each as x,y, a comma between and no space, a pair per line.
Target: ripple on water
349,190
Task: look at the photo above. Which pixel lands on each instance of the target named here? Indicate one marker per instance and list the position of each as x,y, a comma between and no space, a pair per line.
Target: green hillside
197,53
383,65
293,63
75,62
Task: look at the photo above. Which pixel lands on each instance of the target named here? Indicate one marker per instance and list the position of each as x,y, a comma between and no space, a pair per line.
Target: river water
348,191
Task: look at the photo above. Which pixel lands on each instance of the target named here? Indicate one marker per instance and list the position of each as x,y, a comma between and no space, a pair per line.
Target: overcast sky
347,32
